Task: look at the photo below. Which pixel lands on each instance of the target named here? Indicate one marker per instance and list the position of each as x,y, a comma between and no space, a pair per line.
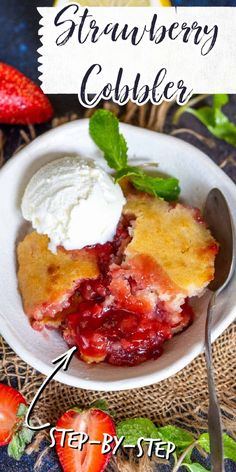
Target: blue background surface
18,45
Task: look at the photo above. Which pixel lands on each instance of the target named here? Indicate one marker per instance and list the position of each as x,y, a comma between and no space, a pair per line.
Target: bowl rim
139,381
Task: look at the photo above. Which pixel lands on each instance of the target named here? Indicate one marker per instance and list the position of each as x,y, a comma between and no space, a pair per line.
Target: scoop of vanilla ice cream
74,202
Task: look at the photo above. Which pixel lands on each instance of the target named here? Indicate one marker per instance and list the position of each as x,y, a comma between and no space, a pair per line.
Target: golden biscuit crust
175,238
47,280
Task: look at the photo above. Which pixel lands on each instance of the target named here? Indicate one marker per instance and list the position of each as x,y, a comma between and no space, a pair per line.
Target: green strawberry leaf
26,435
76,409
16,447
135,428
22,410
18,443
100,405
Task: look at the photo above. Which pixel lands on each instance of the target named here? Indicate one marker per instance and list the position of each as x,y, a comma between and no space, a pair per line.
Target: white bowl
197,175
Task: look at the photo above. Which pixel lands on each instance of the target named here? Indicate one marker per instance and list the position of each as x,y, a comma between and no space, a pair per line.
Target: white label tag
137,54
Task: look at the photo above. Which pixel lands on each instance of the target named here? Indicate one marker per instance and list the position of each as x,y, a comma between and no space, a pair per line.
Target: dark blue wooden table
18,45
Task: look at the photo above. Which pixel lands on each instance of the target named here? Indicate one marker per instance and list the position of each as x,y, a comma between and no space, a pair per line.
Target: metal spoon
218,219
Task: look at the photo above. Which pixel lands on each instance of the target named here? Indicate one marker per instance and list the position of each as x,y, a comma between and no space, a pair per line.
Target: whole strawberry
21,101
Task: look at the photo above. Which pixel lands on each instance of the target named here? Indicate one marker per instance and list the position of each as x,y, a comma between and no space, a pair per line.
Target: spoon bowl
219,222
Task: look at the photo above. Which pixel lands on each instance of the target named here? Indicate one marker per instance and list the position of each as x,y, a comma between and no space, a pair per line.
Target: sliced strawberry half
21,101
95,423
10,401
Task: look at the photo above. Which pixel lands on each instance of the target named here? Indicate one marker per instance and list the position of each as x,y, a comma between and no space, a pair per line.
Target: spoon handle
214,416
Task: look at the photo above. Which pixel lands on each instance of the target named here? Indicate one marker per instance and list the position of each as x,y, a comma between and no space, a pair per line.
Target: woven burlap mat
181,399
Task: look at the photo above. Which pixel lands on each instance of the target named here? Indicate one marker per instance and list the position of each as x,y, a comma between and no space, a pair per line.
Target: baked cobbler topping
120,301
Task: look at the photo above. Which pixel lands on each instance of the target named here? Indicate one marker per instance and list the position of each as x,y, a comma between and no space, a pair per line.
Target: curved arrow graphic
63,362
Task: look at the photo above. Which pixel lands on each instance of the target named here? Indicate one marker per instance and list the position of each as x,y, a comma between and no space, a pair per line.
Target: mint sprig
135,428
104,130
213,118
180,437
228,444
184,441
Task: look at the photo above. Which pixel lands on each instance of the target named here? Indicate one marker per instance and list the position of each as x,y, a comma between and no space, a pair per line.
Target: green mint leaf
182,109
226,132
128,172
217,123
228,442
220,119
135,428
180,437
187,458
219,100
104,130
204,442
22,410
123,150
229,448
205,114
195,467
159,187
215,120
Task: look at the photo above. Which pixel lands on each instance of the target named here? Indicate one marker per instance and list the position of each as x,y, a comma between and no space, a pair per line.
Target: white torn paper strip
178,52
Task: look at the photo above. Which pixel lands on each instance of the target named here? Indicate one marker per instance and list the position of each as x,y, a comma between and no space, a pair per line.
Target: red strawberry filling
118,336
124,330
